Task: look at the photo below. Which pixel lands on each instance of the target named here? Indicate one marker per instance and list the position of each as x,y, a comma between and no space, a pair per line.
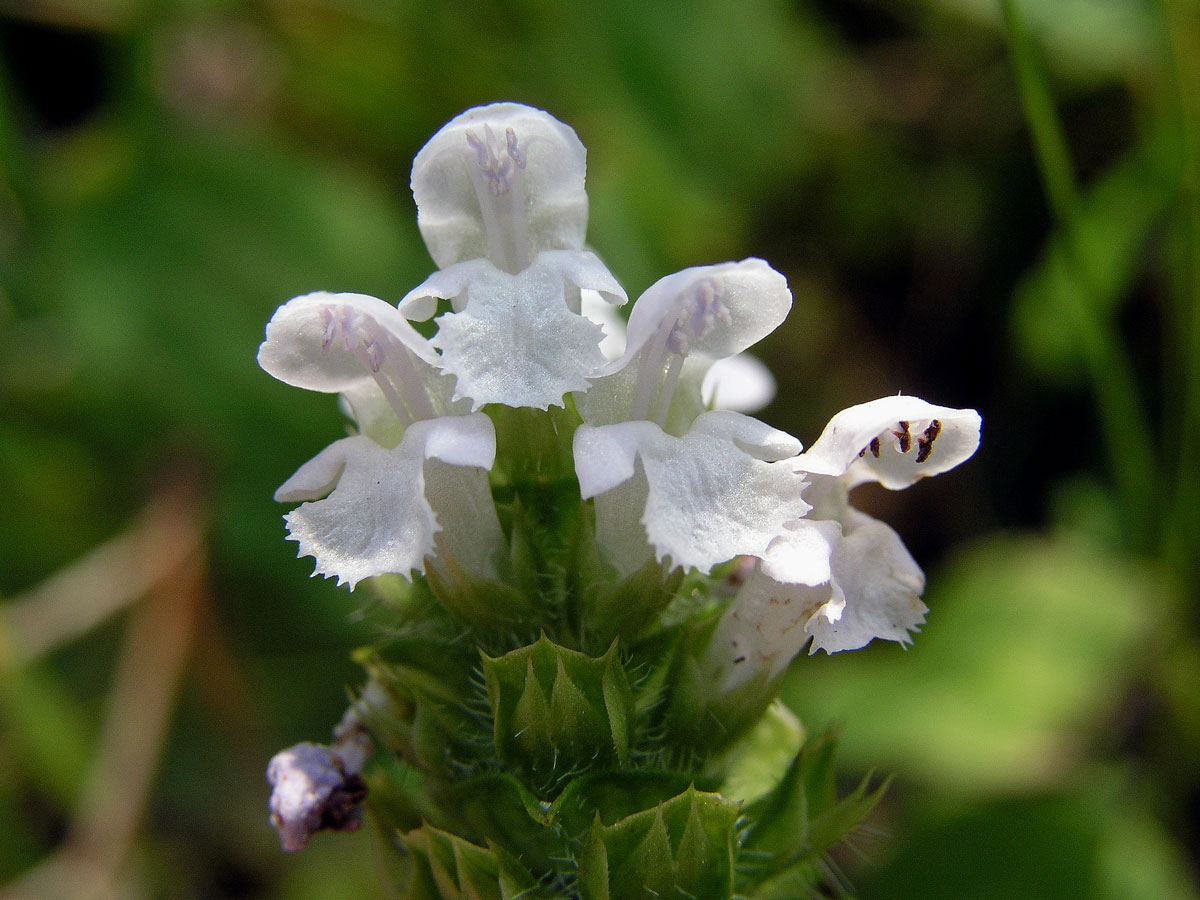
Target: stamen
328,331
497,171
668,390
697,312
384,357
374,355
514,152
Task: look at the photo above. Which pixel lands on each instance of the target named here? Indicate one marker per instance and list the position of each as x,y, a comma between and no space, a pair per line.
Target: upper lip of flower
480,195
706,312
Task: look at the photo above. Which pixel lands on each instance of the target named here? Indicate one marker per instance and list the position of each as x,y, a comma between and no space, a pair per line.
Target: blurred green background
987,205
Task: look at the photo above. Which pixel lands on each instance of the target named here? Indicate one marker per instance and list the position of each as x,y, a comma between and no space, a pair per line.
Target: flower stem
1183,39
1124,425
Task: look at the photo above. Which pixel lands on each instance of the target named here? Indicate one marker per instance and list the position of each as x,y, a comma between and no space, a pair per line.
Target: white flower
501,205
671,481
895,441
678,329
373,503
725,488
872,586
741,382
382,507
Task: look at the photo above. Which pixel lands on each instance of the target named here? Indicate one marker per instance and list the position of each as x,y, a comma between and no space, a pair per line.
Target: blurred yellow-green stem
1123,419
1183,36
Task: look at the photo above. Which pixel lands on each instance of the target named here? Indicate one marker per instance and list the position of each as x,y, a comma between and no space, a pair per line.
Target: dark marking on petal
905,437
875,447
925,443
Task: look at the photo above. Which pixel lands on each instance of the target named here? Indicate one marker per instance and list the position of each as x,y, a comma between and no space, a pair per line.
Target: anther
481,152
374,354
328,328
514,151
494,169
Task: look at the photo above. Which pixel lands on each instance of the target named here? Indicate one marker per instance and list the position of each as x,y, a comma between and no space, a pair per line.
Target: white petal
462,498
325,342
757,438
708,500
584,269
594,307
717,310
894,441
517,341
501,182
763,630
803,553
445,284
605,457
459,440
741,383
881,585
619,532
376,516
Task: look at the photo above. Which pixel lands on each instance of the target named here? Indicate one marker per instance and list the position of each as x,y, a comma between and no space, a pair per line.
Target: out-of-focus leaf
164,273
1114,222
1094,39
45,725
1087,841
1029,643
1139,861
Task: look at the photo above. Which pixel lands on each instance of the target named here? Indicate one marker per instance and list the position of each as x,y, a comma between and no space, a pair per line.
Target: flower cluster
531,390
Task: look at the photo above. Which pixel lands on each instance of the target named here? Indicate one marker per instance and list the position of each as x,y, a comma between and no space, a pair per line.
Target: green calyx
556,709
797,822
446,867
682,848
